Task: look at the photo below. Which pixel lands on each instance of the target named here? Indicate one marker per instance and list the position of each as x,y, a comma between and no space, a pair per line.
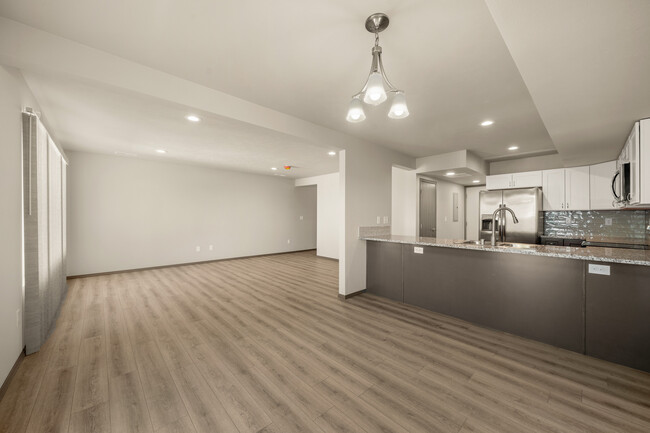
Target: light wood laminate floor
264,345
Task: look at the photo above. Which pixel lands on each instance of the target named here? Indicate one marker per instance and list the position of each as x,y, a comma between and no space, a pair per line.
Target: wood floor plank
128,407
205,410
164,402
95,419
51,412
91,387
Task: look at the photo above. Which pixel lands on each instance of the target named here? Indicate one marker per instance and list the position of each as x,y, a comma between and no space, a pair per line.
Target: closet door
56,290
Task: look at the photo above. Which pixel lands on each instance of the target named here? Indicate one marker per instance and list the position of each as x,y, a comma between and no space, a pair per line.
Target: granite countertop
596,254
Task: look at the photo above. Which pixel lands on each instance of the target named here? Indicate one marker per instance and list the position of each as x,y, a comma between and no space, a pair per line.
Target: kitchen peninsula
591,300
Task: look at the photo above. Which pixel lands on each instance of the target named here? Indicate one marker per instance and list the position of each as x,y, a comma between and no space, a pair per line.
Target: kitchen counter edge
596,254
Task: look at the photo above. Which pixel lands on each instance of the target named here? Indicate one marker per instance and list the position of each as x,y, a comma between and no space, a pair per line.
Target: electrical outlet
418,250
568,220
301,218
288,241
386,220
378,220
608,221
211,247
198,249
19,319
598,269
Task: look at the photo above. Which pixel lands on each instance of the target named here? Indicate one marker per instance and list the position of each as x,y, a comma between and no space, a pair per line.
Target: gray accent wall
129,213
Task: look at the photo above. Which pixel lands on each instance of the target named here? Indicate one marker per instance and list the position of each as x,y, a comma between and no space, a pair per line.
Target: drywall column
365,175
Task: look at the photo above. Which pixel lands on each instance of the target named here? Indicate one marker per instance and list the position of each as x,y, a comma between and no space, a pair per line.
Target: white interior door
427,208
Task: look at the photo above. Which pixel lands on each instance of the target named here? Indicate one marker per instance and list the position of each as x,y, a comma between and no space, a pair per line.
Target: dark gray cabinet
535,297
618,315
384,270
552,300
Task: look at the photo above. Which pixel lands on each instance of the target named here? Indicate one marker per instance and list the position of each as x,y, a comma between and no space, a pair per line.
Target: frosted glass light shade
375,93
355,112
399,110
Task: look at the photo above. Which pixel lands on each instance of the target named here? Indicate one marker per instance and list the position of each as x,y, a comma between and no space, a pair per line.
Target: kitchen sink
468,242
516,246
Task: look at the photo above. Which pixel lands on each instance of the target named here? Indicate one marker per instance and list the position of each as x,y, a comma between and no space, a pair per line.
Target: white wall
404,202
447,228
327,219
15,96
405,206
127,213
544,162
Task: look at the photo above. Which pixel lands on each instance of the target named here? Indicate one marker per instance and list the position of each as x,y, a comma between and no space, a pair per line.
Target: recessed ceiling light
332,153
475,181
487,123
161,151
274,168
513,148
450,173
193,118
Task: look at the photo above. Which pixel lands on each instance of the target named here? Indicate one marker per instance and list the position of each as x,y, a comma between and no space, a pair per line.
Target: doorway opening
427,208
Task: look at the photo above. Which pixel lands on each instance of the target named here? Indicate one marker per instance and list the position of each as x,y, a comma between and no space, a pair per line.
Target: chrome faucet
502,208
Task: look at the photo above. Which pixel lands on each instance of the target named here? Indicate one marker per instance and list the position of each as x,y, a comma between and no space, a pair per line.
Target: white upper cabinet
498,181
553,189
528,179
600,186
576,183
566,188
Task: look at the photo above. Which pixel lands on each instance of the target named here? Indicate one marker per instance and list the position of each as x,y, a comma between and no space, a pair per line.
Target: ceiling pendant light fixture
377,87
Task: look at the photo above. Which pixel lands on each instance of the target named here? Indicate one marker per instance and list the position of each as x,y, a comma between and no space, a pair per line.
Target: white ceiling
584,62
94,118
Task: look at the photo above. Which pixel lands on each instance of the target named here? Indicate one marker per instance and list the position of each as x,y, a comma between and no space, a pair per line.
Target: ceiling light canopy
193,118
487,123
161,151
332,153
513,148
377,86
475,181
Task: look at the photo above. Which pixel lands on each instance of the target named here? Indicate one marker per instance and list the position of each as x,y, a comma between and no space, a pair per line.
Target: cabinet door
644,162
633,154
553,189
528,179
600,186
499,181
576,195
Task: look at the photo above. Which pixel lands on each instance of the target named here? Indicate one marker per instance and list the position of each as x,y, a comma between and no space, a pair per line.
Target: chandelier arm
391,88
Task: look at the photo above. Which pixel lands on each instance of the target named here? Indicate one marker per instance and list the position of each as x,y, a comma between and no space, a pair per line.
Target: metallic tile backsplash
626,226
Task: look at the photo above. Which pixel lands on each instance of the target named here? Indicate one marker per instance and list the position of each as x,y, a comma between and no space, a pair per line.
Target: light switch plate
608,221
418,250
598,269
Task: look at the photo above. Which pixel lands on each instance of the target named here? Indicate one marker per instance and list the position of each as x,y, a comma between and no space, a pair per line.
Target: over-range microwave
630,185
621,184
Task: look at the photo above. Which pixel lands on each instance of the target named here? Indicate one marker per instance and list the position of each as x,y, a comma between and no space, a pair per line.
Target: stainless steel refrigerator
527,205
